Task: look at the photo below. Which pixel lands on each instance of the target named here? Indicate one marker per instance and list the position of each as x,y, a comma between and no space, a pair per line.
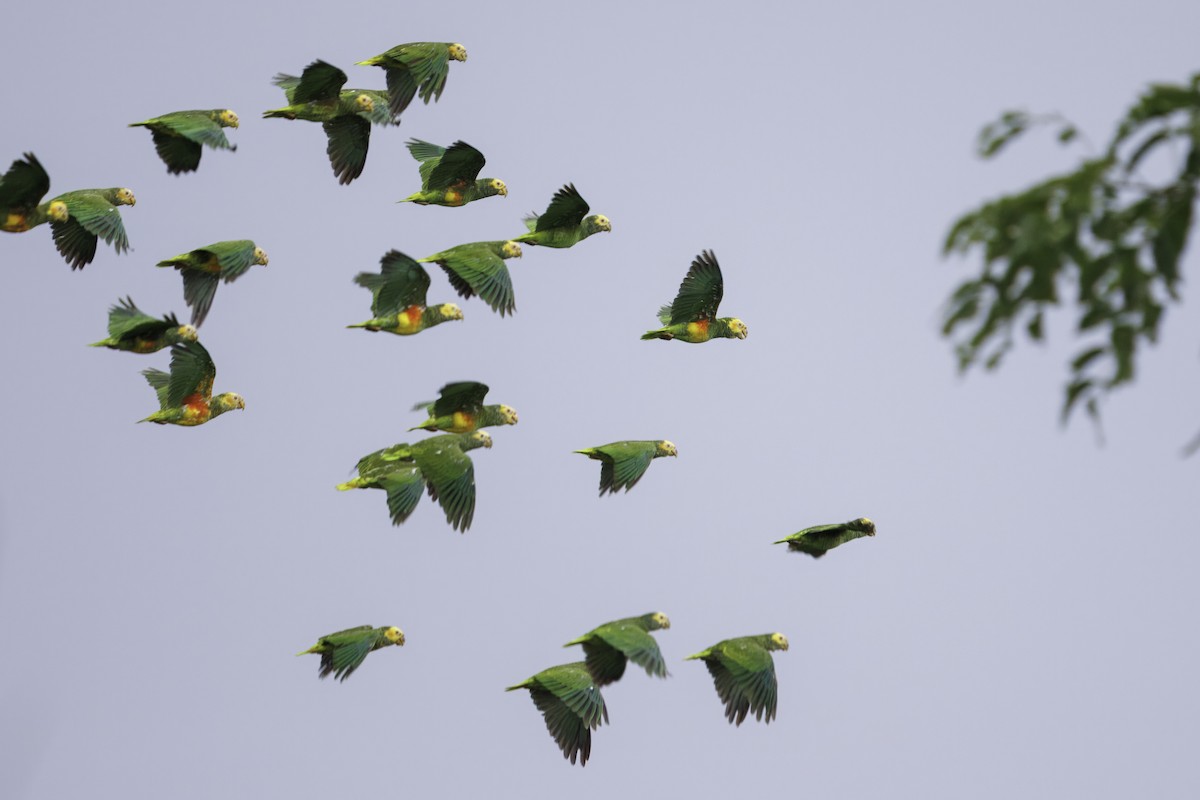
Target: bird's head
657,620
125,198
777,641
260,256
666,448
57,211
229,401
394,635
364,103
497,186
508,414
481,439
738,328
458,52
596,223
227,118
867,525
188,333
510,250
450,311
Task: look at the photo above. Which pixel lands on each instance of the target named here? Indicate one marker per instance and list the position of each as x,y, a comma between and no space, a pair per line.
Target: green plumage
744,674
416,67
21,191
344,651
450,175
572,705
204,268
440,462
398,293
185,394
460,409
134,331
565,221
318,97
179,135
478,269
93,215
692,317
820,539
608,647
622,464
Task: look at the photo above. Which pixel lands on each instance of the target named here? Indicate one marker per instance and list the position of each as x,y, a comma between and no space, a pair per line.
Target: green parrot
624,463
21,190
820,539
460,409
450,175
178,136
609,647
318,97
205,267
692,317
416,66
378,114
571,703
343,652
439,463
565,221
398,298
92,214
185,395
137,332
744,674
478,269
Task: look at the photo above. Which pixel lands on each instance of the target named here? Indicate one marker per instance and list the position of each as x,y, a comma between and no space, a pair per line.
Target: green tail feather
102,343
353,483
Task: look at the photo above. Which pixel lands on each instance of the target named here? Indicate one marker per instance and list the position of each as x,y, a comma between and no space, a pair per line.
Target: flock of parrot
567,695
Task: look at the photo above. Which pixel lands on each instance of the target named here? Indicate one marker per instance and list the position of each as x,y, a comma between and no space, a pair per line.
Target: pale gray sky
1023,624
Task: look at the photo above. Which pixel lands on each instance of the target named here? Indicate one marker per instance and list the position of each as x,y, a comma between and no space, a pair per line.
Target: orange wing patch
462,422
698,329
195,410
15,222
409,320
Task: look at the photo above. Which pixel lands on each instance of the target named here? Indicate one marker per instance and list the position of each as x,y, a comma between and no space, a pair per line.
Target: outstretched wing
459,166
126,319
700,292
91,216
635,644
404,487
460,396
401,283
160,382
566,210
320,81
199,289
192,372
178,153
349,138
623,465
343,659
744,675
235,257
450,476
425,66
24,185
477,270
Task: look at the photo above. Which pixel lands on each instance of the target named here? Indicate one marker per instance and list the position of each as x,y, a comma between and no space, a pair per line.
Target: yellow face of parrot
511,250
458,52
394,635
228,119
780,640
125,198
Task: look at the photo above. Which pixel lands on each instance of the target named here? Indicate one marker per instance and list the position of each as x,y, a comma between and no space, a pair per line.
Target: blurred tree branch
1104,232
